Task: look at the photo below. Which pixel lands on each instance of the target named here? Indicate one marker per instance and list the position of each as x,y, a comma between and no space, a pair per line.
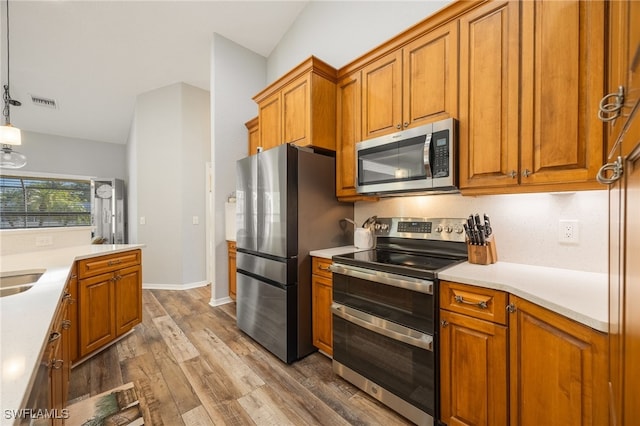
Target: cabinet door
558,369
430,77
128,298
473,371
73,315
97,312
296,111
321,293
349,130
231,247
382,96
270,119
253,138
488,127
562,84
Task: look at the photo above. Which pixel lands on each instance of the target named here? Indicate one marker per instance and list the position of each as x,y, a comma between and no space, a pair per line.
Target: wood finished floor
201,370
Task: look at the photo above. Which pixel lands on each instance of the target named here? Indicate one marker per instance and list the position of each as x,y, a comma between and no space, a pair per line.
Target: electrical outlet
568,232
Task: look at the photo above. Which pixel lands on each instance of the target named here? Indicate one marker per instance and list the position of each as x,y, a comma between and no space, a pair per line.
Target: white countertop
581,296
330,252
26,318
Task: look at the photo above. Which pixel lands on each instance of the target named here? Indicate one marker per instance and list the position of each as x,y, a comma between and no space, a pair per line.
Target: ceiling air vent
40,101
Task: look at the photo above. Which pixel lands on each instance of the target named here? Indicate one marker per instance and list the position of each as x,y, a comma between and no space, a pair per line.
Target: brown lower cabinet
321,296
231,248
109,299
529,367
58,359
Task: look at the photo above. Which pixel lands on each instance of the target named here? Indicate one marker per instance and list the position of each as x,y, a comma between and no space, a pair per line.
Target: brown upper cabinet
299,108
253,134
553,97
412,85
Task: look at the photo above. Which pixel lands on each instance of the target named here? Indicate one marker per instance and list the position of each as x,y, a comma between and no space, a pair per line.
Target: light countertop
26,318
330,252
581,296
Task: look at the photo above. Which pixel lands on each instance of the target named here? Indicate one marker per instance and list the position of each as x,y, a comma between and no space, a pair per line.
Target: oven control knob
383,226
458,229
439,228
449,229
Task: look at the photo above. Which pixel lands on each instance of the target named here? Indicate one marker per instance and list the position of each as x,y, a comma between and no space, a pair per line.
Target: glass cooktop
397,262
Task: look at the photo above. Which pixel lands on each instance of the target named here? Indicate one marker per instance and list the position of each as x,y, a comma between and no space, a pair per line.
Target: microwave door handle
425,156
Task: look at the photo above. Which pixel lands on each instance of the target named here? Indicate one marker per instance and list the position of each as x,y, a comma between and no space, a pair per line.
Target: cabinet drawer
477,302
108,263
320,266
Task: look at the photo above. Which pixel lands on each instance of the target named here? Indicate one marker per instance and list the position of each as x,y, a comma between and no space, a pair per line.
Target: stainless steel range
385,311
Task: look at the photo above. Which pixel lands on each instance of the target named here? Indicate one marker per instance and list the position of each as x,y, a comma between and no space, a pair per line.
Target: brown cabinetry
531,367
254,135
412,85
110,298
530,81
322,296
557,369
299,108
473,361
623,135
59,358
231,248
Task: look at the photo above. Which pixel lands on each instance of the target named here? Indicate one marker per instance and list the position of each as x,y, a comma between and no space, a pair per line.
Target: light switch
196,220
143,220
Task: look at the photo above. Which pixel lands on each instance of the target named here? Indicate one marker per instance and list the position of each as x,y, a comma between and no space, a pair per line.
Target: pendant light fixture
10,135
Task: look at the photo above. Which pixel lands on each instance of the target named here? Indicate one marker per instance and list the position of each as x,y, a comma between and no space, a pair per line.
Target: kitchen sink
15,282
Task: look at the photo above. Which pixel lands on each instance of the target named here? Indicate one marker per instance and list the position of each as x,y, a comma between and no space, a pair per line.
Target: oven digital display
415,227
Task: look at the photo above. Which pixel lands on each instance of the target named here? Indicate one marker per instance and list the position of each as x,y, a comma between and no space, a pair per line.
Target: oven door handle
402,281
384,327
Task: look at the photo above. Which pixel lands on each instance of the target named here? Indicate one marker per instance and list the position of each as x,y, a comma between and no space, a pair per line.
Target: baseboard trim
218,302
187,286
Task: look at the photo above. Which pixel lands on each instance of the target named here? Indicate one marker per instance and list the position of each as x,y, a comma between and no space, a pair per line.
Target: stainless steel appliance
385,311
421,159
286,206
108,211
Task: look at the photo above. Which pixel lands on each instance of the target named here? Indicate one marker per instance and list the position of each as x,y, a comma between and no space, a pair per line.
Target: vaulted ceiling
94,57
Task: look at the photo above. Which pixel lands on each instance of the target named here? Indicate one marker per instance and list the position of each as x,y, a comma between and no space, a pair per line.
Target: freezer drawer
267,313
280,271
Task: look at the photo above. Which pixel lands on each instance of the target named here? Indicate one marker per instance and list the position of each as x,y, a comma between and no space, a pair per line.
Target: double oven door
383,338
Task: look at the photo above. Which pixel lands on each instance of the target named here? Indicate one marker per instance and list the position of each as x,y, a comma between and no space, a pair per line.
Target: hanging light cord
6,97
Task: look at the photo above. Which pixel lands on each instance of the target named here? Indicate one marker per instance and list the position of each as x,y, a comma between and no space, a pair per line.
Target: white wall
170,141
237,74
70,156
525,225
340,31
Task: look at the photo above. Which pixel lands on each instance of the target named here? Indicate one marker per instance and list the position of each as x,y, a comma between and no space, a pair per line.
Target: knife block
483,255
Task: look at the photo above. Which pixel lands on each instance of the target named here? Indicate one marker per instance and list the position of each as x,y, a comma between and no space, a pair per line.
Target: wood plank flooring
198,368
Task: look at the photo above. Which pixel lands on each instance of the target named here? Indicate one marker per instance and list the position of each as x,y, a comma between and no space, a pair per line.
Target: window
27,202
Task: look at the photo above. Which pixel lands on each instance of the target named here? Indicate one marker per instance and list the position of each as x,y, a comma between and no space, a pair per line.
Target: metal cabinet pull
54,336
444,323
526,173
328,268
613,108
513,174
114,262
481,305
66,324
398,126
616,168
57,364
511,308
406,124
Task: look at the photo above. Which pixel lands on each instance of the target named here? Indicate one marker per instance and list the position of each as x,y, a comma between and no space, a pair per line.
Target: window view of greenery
27,202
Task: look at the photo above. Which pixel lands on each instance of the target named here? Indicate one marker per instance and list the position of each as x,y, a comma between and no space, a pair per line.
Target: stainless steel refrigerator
286,206
108,211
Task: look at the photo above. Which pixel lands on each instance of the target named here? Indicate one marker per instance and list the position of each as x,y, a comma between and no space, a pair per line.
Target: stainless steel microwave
420,159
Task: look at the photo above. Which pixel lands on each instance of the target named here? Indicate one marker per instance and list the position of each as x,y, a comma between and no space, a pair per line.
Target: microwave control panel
440,158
